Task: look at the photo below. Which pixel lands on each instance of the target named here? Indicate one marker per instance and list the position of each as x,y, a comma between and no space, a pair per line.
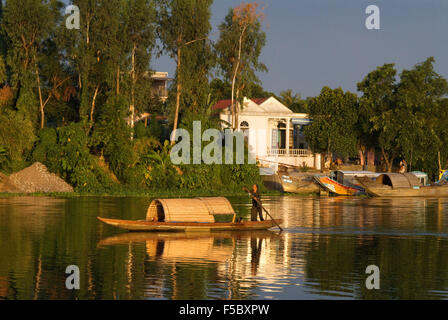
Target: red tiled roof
223,104
259,100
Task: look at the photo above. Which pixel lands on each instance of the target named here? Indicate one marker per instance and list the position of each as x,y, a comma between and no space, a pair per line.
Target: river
323,252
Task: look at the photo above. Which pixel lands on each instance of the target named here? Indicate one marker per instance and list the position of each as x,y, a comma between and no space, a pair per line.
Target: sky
316,43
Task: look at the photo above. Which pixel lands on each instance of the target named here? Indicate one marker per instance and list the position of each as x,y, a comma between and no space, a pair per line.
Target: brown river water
323,252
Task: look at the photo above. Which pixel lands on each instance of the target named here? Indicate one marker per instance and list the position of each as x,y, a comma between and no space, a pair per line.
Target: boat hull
292,185
380,190
429,191
133,225
337,188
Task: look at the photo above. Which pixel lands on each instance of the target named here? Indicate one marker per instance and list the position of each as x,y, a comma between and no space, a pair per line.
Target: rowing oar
259,203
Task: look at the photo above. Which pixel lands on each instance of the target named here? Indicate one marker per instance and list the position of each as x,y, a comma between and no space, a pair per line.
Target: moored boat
301,184
402,185
443,177
190,215
344,183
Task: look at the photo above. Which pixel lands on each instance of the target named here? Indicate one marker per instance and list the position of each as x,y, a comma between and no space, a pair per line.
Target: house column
287,136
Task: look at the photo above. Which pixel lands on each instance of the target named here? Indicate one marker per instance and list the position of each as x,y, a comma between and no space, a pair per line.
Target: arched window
281,125
280,135
244,125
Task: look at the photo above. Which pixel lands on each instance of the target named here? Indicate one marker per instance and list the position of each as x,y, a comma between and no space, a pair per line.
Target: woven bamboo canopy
188,210
399,180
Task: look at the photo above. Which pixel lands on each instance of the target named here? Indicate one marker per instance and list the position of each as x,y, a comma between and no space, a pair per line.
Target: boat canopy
399,180
344,177
188,210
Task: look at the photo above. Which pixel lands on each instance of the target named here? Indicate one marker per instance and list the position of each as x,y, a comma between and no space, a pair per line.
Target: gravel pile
35,178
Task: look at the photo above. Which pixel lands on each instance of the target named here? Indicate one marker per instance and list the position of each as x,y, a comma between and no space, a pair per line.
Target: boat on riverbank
299,183
344,183
190,215
402,185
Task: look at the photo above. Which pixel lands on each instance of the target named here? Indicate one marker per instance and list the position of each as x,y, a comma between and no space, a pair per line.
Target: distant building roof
223,104
259,100
157,75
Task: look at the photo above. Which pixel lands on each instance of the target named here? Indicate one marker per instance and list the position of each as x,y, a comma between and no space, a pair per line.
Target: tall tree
403,118
375,125
95,51
334,114
293,101
140,27
182,23
28,23
239,47
419,99
197,62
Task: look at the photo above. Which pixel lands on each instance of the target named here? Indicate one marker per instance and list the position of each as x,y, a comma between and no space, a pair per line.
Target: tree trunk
361,157
93,104
233,106
132,106
237,96
118,80
178,92
388,161
41,102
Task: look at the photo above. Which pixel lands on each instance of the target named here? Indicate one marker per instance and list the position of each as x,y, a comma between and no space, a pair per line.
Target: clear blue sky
313,43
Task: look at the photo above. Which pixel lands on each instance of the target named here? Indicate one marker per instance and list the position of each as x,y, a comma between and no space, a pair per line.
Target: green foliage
47,150
181,21
4,161
27,23
65,151
304,168
407,118
293,101
153,129
3,71
184,27
111,136
16,138
334,114
161,174
377,126
28,105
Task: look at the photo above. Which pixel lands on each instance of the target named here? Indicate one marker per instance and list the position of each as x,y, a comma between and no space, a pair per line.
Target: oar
259,203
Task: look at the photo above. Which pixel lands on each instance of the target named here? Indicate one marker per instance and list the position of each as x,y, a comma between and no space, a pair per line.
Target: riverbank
146,193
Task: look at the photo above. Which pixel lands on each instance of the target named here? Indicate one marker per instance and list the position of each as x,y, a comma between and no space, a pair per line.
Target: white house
274,133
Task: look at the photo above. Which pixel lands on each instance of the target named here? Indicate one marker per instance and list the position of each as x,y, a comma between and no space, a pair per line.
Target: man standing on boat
256,204
403,166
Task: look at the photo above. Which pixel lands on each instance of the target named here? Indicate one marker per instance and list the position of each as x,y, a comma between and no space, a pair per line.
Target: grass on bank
147,193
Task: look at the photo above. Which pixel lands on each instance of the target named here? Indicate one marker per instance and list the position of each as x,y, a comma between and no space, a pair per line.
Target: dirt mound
6,185
35,178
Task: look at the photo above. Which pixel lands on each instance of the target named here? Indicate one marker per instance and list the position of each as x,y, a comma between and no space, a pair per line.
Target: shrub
16,137
65,150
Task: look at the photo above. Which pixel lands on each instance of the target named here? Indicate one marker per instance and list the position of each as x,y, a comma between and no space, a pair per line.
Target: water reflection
243,255
323,253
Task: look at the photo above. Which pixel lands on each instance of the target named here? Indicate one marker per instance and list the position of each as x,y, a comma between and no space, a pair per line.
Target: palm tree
292,101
